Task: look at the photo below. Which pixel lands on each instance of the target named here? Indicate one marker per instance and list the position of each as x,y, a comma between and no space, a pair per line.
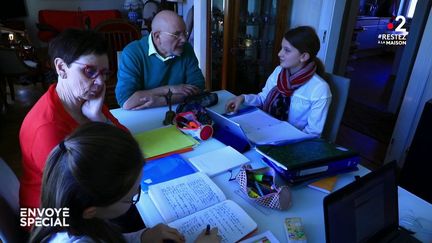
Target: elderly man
157,63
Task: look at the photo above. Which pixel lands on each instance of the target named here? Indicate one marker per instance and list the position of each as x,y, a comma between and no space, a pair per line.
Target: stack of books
309,159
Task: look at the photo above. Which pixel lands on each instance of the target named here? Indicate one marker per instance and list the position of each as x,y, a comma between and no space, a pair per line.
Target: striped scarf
279,98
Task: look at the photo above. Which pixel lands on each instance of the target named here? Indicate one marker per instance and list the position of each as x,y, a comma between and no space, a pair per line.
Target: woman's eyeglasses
177,35
137,196
92,72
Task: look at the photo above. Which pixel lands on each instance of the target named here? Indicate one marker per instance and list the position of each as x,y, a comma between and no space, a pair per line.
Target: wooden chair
118,33
339,87
12,67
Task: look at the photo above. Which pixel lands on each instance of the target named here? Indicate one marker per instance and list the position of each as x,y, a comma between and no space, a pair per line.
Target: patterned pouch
259,186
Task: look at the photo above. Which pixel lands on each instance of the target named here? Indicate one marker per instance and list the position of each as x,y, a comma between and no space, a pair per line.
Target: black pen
207,232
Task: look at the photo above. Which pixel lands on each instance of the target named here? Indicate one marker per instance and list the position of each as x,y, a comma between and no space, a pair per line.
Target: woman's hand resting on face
92,109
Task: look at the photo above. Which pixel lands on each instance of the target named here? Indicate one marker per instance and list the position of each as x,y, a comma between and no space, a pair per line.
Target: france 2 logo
398,28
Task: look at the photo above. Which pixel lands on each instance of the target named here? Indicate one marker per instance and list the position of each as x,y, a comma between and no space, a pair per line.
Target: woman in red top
81,62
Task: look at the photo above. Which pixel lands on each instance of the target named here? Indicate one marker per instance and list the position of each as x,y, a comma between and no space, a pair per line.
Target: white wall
306,12
200,33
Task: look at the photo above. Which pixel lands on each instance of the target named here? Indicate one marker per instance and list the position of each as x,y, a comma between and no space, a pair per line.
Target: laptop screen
365,210
229,132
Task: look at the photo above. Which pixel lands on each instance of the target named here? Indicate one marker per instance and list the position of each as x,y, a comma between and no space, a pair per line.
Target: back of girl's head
305,39
96,165
70,44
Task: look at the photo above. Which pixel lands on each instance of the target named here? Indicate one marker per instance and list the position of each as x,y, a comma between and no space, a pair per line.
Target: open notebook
191,202
257,128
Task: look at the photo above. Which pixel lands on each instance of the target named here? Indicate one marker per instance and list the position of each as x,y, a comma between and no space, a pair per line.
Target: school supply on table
204,99
294,230
188,123
265,237
164,141
229,133
259,186
255,127
217,161
170,114
366,210
164,169
191,202
325,185
309,159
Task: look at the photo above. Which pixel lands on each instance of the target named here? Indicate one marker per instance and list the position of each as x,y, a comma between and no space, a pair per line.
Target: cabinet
245,39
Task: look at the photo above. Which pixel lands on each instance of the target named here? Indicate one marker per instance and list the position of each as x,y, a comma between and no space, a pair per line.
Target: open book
262,128
191,202
254,127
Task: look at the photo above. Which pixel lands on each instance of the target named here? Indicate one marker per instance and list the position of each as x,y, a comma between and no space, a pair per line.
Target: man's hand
150,101
156,97
161,232
92,109
184,89
143,99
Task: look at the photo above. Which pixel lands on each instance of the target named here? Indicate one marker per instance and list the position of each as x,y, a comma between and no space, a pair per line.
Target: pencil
259,189
207,232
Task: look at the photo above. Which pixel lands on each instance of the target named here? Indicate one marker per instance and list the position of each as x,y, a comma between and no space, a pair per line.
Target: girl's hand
213,237
234,104
161,232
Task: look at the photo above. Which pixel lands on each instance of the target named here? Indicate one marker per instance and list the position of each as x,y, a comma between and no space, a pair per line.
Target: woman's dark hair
70,44
305,39
96,165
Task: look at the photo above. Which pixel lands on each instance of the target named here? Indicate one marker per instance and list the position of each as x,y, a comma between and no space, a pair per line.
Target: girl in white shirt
96,173
294,92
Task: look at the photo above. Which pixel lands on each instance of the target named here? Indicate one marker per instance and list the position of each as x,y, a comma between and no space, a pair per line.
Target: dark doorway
372,67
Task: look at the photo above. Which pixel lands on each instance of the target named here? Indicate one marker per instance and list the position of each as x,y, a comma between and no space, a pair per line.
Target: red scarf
279,98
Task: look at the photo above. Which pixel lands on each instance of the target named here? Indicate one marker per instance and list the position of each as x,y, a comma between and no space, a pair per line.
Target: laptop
229,132
366,210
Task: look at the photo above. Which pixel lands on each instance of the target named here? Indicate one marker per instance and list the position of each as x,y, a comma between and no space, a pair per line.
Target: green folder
306,154
164,141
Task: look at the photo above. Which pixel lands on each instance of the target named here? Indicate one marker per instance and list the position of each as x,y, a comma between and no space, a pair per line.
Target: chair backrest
10,231
118,33
339,87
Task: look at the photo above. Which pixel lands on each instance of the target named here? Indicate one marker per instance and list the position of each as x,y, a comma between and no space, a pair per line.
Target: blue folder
165,169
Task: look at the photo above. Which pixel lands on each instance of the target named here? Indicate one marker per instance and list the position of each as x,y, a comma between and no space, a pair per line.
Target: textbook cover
305,154
309,159
164,169
325,185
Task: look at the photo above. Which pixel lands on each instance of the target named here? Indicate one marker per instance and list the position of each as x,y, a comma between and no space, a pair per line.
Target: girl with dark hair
96,173
294,92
